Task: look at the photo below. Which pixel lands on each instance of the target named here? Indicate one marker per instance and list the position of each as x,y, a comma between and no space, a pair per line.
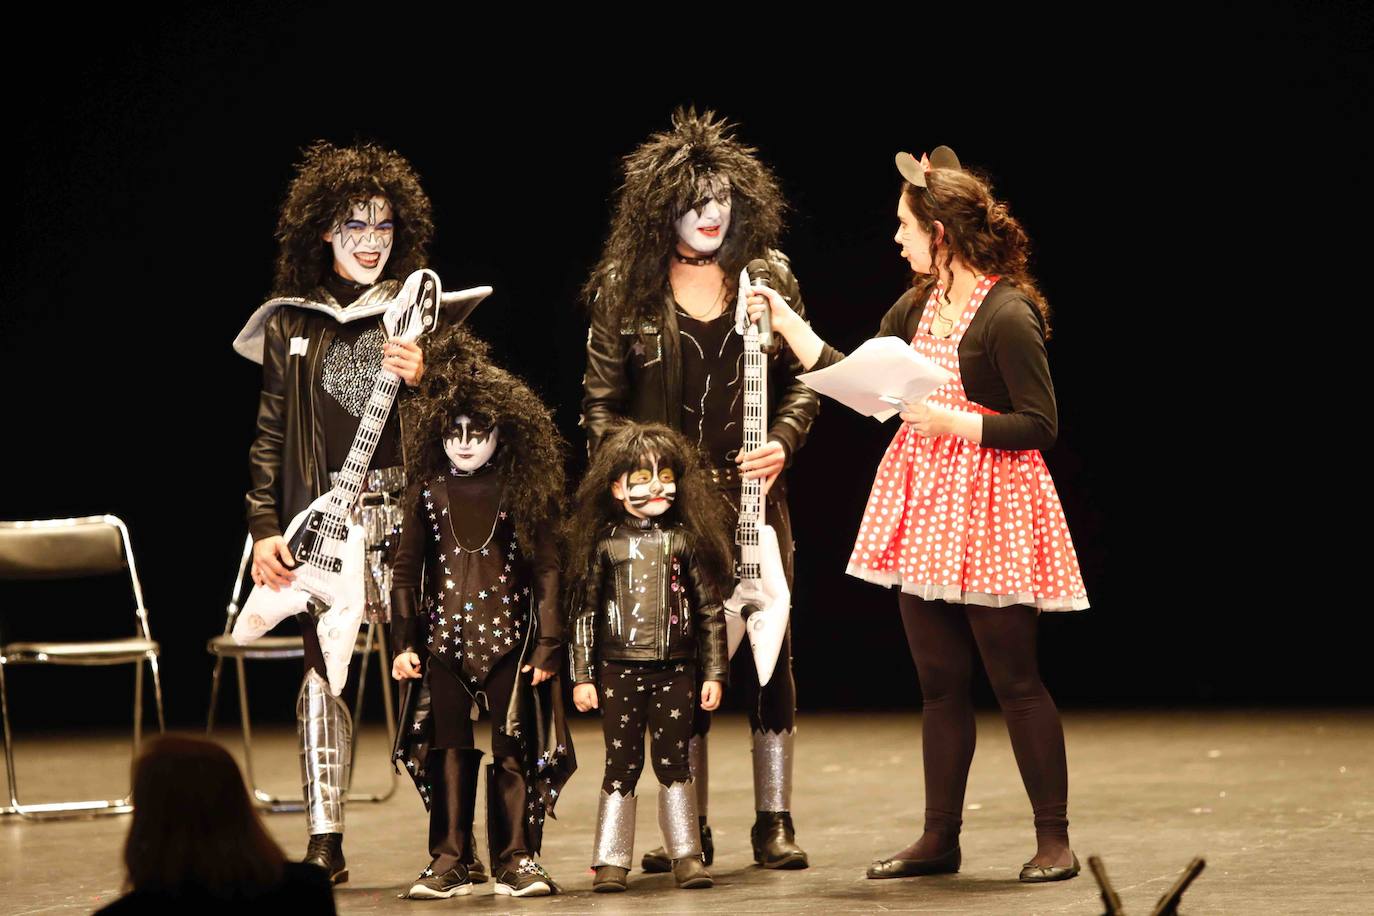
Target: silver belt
381,482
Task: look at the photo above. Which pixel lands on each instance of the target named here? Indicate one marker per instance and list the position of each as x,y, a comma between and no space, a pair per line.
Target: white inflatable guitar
329,550
761,600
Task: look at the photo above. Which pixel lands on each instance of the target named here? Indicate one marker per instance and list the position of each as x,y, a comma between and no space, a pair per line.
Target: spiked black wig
461,379
327,182
663,180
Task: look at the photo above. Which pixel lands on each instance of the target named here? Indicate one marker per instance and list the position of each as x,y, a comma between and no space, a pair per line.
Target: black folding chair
275,648
70,548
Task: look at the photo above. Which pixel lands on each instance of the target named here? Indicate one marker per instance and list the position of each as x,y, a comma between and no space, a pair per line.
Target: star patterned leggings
659,695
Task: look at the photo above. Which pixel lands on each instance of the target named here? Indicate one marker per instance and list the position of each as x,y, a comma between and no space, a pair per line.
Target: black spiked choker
695,262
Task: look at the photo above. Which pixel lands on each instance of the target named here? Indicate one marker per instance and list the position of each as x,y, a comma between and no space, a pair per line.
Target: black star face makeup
471,443
362,239
648,490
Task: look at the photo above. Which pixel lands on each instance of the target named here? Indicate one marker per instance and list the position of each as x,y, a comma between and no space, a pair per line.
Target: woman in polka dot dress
963,515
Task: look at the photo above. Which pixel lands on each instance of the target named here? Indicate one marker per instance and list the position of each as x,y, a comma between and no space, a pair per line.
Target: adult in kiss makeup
964,517
695,207
354,223
477,619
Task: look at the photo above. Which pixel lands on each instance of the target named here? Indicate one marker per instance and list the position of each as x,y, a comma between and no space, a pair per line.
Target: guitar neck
751,491
350,481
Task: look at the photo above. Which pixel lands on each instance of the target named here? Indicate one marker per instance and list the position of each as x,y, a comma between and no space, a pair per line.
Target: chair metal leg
358,699
48,810
157,693
138,706
374,632
274,803
214,695
9,745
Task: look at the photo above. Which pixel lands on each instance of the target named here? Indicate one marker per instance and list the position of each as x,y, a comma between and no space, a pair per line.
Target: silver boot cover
326,733
677,818
615,830
696,760
773,770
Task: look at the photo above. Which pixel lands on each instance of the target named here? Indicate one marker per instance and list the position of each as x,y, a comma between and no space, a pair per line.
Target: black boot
690,874
326,851
657,861
775,841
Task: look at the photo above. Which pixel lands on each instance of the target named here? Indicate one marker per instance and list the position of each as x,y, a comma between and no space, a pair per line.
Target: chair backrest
61,548
71,548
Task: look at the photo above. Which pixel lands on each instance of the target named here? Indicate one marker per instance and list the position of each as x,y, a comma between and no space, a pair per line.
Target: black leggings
943,639
660,695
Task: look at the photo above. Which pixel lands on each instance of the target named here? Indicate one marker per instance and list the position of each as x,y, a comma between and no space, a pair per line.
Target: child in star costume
477,620
649,559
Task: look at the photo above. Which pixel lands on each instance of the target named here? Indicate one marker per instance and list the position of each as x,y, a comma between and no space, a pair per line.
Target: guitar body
761,607
340,594
329,549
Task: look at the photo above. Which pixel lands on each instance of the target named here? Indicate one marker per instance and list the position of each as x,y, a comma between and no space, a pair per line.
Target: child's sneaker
452,883
526,879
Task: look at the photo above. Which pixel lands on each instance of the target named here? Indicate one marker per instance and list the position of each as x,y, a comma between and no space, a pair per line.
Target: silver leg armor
773,770
677,818
696,760
615,830
326,733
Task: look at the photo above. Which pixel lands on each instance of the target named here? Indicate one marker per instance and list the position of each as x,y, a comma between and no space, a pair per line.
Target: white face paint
648,490
362,240
470,444
701,230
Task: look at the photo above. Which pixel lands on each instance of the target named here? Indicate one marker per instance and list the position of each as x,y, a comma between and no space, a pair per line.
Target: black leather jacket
647,600
636,373
287,462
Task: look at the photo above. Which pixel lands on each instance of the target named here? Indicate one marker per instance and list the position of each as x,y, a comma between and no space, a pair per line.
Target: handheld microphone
761,275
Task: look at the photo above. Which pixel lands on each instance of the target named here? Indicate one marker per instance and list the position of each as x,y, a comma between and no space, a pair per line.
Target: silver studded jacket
647,600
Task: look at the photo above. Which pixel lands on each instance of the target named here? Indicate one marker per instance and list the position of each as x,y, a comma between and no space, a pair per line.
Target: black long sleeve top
498,572
1002,363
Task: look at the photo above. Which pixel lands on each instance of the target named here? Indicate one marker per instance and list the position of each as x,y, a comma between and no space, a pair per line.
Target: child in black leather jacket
649,563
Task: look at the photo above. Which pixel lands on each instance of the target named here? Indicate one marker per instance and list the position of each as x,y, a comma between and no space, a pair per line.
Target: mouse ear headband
914,170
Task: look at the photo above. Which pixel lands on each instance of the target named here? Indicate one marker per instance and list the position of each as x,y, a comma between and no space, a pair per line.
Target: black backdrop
152,157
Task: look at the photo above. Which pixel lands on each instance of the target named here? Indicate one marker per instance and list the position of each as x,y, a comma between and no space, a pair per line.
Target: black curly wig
461,379
327,182
663,180
697,506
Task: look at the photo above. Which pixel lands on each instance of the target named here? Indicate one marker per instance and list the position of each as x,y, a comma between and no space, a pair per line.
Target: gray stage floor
1279,803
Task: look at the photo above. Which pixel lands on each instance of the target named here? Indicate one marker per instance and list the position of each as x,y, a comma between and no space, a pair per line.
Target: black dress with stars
487,609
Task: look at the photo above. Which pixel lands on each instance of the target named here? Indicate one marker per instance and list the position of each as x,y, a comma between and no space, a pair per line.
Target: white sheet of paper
882,372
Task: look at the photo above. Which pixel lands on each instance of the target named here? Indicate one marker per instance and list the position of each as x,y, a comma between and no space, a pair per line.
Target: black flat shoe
943,864
1036,874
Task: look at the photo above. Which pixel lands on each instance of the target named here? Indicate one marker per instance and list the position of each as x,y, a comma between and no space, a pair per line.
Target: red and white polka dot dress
950,520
